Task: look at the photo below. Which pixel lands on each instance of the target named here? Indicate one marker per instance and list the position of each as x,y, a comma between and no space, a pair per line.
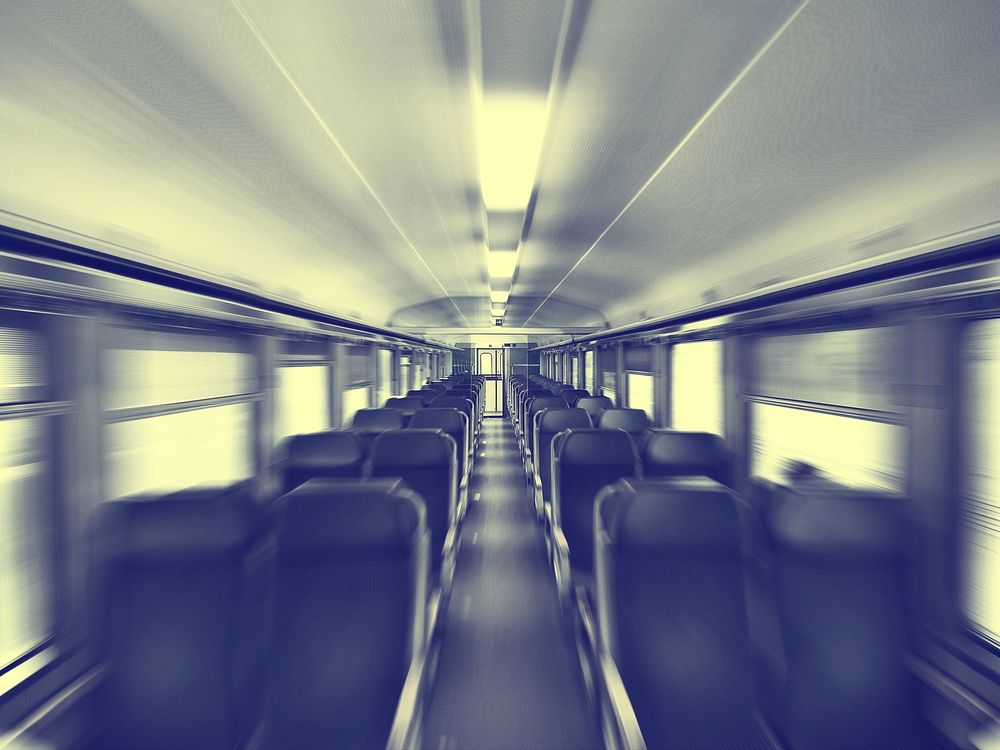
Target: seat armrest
407,723
560,563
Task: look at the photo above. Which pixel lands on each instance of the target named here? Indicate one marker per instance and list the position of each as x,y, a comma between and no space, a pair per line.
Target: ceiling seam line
333,138
681,144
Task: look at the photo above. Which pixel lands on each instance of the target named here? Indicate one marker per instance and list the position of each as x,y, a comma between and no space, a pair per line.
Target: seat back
572,395
840,561
672,612
634,421
585,460
548,424
408,405
594,405
336,454
172,621
533,406
425,394
349,610
426,460
671,453
465,406
373,421
449,420
522,400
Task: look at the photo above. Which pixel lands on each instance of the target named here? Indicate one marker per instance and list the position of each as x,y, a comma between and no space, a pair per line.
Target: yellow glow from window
511,130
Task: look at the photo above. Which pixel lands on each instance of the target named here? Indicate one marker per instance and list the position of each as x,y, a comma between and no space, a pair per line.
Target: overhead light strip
333,139
680,145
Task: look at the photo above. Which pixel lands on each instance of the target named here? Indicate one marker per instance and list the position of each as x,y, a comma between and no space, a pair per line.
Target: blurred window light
511,132
352,401
302,400
502,263
588,371
696,387
384,375
147,368
22,366
173,451
980,513
574,371
27,541
404,375
853,452
639,392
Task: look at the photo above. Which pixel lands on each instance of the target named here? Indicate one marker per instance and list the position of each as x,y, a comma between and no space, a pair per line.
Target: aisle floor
508,675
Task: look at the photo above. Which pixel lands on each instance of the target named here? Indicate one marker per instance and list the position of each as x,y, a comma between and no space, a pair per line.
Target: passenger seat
336,454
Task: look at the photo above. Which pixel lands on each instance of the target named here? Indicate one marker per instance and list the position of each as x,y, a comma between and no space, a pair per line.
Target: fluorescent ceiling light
498,310
497,295
511,130
502,263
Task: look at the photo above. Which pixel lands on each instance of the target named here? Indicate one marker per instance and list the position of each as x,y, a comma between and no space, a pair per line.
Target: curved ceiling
328,152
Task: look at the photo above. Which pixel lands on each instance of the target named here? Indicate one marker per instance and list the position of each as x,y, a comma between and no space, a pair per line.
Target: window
354,399
302,400
384,375
696,393
180,408
404,375
574,372
980,509
639,390
588,371
854,452
827,400
27,518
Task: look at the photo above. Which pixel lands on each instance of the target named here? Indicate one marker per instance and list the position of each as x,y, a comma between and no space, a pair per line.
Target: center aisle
508,675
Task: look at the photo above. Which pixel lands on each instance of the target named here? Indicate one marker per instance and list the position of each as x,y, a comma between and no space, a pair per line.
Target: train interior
499,374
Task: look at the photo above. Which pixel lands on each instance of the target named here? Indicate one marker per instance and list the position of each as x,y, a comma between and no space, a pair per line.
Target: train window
384,375
181,449
607,368
27,522
855,452
352,400
404,375
180,409
588,370
574,372
639,392
980,510
302,400
827,400
696,392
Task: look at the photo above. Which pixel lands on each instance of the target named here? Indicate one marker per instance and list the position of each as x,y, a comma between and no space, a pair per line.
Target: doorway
490,364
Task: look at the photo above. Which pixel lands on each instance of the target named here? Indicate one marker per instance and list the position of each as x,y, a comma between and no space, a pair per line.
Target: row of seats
778,625
296,624
294,621
784,628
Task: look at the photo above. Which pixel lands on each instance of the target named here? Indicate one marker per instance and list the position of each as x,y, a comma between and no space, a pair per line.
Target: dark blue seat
841,561
374,421
426,460
634,421
585,460
572,395
548,424
453,422
672,611
337,454
408,405
594,405
175,619
533,406
350,589
671,453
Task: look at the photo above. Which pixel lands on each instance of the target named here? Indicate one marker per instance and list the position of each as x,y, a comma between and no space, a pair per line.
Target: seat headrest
190,525
326,516
674,453
669,517
377,420
537,403
452,402
551,421
413,448
595,447
450,420
633,421
406,404
594,403
327,449
572,395
827,521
